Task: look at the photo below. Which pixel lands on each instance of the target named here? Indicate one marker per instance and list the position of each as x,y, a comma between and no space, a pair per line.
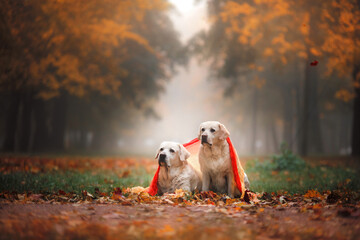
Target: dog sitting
175,171
215,161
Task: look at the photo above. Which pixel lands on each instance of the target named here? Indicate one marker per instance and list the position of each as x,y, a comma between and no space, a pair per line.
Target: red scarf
153,188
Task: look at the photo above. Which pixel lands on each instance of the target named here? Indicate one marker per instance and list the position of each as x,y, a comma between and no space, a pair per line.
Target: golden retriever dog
175,171
215,162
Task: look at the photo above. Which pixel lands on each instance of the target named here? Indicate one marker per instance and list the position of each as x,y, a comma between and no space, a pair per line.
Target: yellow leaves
47,34
284,60
344,95
312,194
348,21
329,106
137,38
268,52
243,39
278,39
260,68
256,38
232,9
34,70
327,16
87,43
347,181
179,193
108,32
57,40
167,230
302,54
46,95
137,9
356,81
340,41
281,8
258,82
256,67
315,52
283,45
305,27
259,2
137,190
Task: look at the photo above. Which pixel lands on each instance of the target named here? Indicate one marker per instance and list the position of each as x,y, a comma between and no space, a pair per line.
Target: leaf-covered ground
83,198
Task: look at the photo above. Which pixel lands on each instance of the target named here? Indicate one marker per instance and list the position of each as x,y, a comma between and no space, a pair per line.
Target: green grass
319,178
264,178
283,172
288,172
71,181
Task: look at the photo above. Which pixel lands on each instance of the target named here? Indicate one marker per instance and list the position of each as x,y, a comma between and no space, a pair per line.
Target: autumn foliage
75,62
303,56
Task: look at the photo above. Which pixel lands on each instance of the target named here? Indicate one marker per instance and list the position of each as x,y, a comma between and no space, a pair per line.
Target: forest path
114,221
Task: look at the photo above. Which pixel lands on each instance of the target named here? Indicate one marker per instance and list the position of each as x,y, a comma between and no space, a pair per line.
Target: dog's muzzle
162,159
204,139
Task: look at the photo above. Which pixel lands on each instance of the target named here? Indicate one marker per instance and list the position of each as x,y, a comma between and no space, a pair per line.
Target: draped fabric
193,147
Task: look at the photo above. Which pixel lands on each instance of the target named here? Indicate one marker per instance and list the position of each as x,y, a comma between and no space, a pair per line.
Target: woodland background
89,76
89,89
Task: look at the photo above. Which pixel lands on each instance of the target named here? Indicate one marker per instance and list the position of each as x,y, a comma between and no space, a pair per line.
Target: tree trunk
98,138
297,140
83,139
274,139
355,138
41,136
26,121
287,116
355,141
305,119
254,121
311,132
58,123
11,123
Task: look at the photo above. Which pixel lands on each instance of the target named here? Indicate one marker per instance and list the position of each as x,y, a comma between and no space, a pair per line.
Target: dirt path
96,221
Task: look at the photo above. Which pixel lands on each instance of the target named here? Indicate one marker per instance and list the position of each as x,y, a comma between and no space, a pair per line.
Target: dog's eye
161,149
172,150
212,130
203,129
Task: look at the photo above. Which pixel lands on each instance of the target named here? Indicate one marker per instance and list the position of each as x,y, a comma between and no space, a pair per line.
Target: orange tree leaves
255,33
84,47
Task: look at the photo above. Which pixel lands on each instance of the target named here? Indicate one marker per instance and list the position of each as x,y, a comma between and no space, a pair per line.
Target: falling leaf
314,63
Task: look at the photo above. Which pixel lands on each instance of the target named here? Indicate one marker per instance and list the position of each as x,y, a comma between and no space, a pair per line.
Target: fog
190,97
125,78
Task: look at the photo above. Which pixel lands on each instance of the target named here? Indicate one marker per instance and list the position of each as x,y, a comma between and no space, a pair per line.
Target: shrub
287,160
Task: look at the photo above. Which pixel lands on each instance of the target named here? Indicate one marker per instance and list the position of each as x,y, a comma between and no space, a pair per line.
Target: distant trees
78,67
270,44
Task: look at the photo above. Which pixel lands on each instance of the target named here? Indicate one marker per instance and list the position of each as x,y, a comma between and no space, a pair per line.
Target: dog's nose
162,158
204,138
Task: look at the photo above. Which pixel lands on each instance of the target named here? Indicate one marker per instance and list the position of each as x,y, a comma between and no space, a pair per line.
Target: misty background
125,77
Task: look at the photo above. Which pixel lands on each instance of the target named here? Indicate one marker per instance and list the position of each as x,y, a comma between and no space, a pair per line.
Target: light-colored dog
175,171
215,162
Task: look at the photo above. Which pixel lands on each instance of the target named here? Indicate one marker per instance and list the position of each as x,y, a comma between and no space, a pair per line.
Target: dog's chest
171,179
216,163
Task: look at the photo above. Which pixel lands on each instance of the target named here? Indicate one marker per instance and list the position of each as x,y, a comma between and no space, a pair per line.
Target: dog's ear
183,153
157,153
199,134
224,133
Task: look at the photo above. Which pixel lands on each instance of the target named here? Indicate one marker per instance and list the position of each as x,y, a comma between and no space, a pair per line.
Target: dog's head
171,154
212,132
